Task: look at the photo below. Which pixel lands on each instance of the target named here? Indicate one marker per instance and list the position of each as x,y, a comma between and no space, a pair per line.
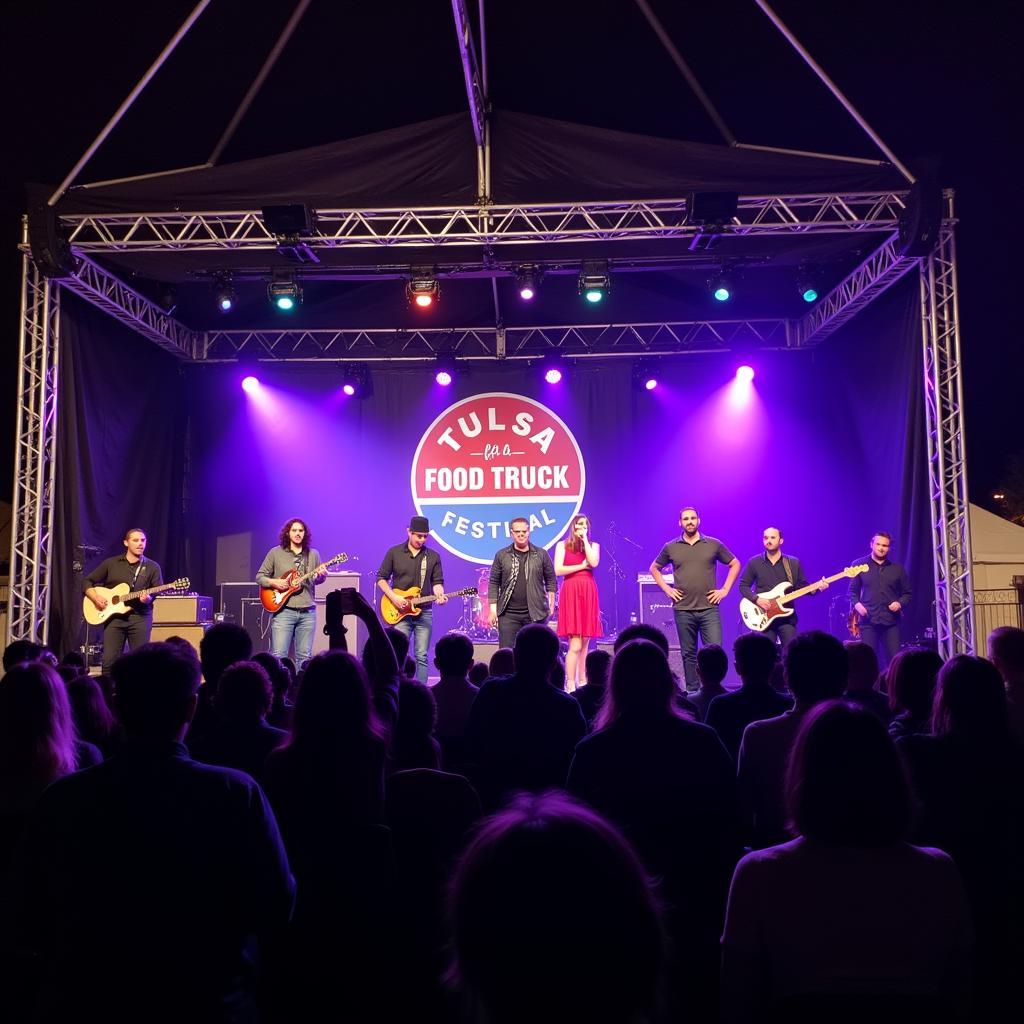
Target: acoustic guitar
274,600
390,614
759,619
118,598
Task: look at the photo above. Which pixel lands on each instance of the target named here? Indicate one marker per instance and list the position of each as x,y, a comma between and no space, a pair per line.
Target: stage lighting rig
722,288
595,280
528,281
445,370
645,375
553,368
356,381
422,289
224,296
284,292
806,288
288,223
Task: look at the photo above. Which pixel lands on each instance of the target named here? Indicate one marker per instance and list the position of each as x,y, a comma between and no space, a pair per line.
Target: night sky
939,82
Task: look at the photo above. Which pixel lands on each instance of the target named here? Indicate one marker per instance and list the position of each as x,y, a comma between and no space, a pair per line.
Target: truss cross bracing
492,224
947,458
34,458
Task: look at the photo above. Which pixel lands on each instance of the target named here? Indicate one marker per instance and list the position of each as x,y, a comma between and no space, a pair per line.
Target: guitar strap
788,569
423,570
135,577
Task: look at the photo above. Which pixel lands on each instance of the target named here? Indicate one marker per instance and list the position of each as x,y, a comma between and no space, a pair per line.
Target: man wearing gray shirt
694,596
297,615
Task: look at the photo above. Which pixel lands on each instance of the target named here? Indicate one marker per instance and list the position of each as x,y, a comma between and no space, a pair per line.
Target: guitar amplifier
182,608
654,607
191,631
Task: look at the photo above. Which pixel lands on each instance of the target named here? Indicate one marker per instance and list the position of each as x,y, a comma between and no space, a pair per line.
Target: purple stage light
526,292
745,374
443,377
250,384
650,384
553,375
349,389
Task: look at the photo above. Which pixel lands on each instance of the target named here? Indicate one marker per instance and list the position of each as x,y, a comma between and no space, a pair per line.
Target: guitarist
767,570
296,619
413,564
140,573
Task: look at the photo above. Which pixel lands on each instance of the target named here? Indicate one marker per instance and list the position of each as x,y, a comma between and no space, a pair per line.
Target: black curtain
121,427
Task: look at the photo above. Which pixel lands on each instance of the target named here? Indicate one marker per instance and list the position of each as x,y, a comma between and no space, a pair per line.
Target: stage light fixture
528,281
224,296
806,288
250,383
284,292
423,289
445,372
288,223
721,288
595,280
745,374
356,381
645,375
553,368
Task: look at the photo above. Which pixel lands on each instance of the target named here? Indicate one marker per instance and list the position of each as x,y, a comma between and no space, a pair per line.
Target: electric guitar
390,614
759,619
274,600
118,598
853,624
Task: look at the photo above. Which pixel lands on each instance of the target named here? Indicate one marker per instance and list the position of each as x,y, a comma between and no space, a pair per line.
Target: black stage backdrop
122,418
829,446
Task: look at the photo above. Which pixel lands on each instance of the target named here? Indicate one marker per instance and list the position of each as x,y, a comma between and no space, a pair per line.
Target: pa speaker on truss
922,220
50,250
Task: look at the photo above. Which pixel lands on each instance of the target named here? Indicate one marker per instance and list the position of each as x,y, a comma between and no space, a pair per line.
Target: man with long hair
295,619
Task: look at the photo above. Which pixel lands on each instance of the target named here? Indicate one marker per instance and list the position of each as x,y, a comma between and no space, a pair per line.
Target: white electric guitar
779,597
118,598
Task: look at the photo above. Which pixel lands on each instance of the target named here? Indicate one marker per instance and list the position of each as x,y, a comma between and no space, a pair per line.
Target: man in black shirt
408,565
139,573
766,571
522,586
693,593
879,597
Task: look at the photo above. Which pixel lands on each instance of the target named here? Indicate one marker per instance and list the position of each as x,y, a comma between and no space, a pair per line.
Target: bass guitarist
413,564
768,570
140,573
296,618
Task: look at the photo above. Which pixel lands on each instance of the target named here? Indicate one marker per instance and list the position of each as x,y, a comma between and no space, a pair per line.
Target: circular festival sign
488,459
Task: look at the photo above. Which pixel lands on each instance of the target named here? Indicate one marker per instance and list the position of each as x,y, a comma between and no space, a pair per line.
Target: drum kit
476,611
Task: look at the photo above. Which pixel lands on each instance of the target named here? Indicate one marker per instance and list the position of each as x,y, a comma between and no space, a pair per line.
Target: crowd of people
211,839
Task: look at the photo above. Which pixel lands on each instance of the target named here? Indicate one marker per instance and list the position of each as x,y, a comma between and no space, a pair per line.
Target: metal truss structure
469,343
947,453
106,292
96,235
34,457
486,224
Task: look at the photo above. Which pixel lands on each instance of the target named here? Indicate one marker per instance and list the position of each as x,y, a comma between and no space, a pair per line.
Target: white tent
997,547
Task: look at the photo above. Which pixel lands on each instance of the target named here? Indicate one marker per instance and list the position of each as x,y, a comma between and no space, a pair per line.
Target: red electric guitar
274,600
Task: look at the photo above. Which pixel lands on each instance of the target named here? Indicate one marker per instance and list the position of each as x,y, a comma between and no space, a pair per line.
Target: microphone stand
616,570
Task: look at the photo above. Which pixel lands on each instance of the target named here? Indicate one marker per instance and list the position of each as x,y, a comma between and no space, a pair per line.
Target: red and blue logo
491,458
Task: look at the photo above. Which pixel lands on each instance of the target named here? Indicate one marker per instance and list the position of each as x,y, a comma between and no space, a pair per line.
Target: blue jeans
418,629
289,623
706,621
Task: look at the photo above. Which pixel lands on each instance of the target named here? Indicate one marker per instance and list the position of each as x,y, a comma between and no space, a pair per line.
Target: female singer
578,614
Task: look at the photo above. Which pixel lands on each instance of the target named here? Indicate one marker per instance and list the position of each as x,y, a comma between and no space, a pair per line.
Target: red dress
578,613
